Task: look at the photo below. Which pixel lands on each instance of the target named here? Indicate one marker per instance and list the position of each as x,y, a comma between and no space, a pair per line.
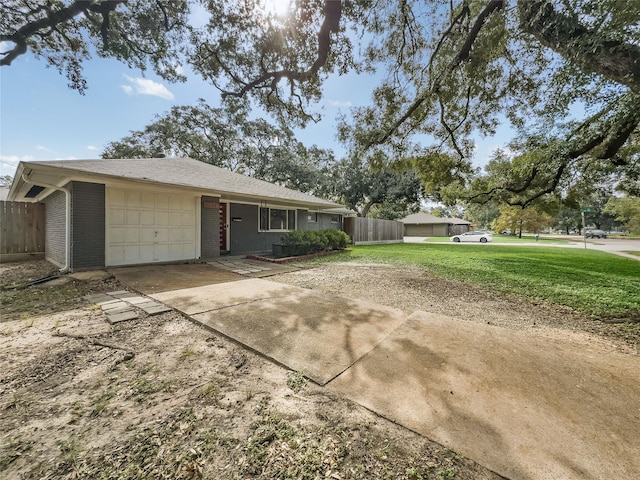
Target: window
264,218
335,219
312,217
277,219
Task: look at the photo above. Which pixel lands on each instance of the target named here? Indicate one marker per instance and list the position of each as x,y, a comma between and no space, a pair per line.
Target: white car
477,236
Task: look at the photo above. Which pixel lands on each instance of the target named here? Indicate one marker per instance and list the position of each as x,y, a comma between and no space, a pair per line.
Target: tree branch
51,21
611,58
462,55
465,50
270,79
549,189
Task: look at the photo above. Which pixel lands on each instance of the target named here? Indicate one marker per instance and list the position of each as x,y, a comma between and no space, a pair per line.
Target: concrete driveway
523,405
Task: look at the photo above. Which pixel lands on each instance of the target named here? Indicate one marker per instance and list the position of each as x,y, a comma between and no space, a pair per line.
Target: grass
188,352
296,381
592,282
14,448
44,299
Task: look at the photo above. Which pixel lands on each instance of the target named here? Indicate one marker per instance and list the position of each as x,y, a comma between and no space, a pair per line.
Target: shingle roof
186,172
426,218
421,217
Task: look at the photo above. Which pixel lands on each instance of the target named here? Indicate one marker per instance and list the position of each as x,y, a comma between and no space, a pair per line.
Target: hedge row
305,242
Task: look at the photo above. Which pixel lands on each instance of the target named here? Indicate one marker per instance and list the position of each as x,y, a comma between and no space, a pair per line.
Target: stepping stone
116,311
113,304
155,310
121,317
98,298
148,303
119,292
137,300
124,296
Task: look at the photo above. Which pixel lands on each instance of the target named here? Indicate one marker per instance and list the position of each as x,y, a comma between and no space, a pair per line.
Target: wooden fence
373,230
21,228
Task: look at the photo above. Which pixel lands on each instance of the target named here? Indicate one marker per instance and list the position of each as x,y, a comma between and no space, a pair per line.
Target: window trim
268,218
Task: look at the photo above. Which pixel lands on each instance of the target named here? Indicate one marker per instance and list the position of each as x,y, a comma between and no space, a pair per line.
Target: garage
423,224
418,230
149,226
122,211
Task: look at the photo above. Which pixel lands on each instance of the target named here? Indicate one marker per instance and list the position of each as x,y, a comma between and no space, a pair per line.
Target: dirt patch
161,397
411,289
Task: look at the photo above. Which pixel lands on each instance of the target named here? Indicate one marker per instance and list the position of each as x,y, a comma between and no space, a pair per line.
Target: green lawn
590,281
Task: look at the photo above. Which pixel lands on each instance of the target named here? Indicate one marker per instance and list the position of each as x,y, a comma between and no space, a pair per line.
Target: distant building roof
422,218
456,221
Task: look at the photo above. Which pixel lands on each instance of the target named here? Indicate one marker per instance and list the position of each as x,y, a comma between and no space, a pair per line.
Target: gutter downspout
67,243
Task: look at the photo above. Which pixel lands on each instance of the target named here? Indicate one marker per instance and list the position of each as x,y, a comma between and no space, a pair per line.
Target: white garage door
146,227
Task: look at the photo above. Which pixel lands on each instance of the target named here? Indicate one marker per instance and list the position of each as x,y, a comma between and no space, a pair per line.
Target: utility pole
584,228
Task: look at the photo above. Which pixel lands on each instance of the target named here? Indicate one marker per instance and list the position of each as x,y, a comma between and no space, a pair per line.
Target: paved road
612,245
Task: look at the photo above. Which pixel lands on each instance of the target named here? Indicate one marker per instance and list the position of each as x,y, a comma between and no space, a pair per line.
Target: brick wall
87,225
55,228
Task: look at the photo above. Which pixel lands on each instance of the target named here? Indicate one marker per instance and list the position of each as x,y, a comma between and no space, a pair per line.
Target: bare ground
161,397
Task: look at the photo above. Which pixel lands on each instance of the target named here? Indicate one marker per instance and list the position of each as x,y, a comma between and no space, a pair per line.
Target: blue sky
42,119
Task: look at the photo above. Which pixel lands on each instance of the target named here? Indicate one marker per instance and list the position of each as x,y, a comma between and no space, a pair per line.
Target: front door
224,225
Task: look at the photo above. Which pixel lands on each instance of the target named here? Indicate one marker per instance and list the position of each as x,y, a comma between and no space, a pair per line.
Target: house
425,225
113,212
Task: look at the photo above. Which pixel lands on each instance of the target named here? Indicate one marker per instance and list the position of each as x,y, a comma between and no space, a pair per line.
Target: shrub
338,240
303,242
318,241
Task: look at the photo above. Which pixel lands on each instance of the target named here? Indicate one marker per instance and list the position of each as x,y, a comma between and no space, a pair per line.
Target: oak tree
451,69
229,139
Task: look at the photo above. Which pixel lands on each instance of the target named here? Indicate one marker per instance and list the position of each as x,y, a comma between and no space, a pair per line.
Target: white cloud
93,148
6,46
145,86
13,160
338,103
9,163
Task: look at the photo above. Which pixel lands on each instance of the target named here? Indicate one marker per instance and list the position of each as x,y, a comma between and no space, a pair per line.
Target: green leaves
226,138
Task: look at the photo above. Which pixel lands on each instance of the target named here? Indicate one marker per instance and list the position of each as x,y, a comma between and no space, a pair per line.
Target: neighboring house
425,225
135,211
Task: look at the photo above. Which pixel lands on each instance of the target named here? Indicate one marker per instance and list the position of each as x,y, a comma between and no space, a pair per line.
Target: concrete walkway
316,334
522,405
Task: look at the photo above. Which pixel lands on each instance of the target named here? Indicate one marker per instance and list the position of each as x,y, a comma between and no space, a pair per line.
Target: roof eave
72,174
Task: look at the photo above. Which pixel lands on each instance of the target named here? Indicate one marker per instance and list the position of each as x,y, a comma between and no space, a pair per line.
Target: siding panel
87,225
55,228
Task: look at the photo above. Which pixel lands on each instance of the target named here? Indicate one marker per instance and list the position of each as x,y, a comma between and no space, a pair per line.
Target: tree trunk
367,207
